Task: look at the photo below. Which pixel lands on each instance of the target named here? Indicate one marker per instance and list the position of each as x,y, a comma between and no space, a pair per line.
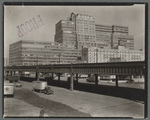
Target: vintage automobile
8,89
130,81
39,86
42,87
48,91
18,84
92,78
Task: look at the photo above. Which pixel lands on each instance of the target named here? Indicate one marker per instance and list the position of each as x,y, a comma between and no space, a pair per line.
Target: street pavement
18,108
66,103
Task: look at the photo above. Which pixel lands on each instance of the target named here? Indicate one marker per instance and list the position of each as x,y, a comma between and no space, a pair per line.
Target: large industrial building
28,52
6,61
98,55
65,33
114,36
80,30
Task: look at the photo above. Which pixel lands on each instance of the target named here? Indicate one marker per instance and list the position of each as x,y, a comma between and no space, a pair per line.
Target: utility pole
112,41
96,55
22,61
37,59
59,57
37,72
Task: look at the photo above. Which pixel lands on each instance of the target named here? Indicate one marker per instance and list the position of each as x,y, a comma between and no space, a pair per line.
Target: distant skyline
131,16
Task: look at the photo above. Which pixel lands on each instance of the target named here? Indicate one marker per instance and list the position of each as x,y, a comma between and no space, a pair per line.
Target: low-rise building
6,61
98,55
25,52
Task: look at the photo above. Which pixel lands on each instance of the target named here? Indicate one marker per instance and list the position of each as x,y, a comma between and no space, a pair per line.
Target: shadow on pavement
52,108
122,92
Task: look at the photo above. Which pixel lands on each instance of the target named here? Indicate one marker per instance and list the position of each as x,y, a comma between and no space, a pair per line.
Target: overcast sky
130,16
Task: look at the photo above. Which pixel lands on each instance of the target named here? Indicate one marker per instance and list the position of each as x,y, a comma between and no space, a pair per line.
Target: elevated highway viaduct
113,68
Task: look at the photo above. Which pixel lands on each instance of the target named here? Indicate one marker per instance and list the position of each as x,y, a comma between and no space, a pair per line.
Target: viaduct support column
96,81
71,82
37,76
20,73
71,78
58,77
10,73
117,77
77,77
131,77
52,76
14,72
7,72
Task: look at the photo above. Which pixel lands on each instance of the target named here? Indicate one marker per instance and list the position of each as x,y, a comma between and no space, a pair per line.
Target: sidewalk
17,108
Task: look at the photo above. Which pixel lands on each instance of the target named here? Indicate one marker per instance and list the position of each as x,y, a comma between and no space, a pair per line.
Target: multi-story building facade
103,44
114,36
6,61
65,33
120,30
80,30
103,36
98,55
124,40
26,52
83,26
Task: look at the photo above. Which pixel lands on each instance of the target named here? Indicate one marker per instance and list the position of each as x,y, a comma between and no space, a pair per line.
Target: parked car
8,89
130,81
110,81
92,79
18,84
48,91
39,86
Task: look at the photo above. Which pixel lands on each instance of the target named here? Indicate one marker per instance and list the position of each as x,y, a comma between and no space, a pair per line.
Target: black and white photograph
75,61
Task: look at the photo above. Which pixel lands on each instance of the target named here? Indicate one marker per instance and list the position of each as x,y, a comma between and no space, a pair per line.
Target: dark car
91,79
130,81
48,91
18,84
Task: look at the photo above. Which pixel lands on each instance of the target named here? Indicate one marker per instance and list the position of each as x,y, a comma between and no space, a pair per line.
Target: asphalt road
66,103
51,108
